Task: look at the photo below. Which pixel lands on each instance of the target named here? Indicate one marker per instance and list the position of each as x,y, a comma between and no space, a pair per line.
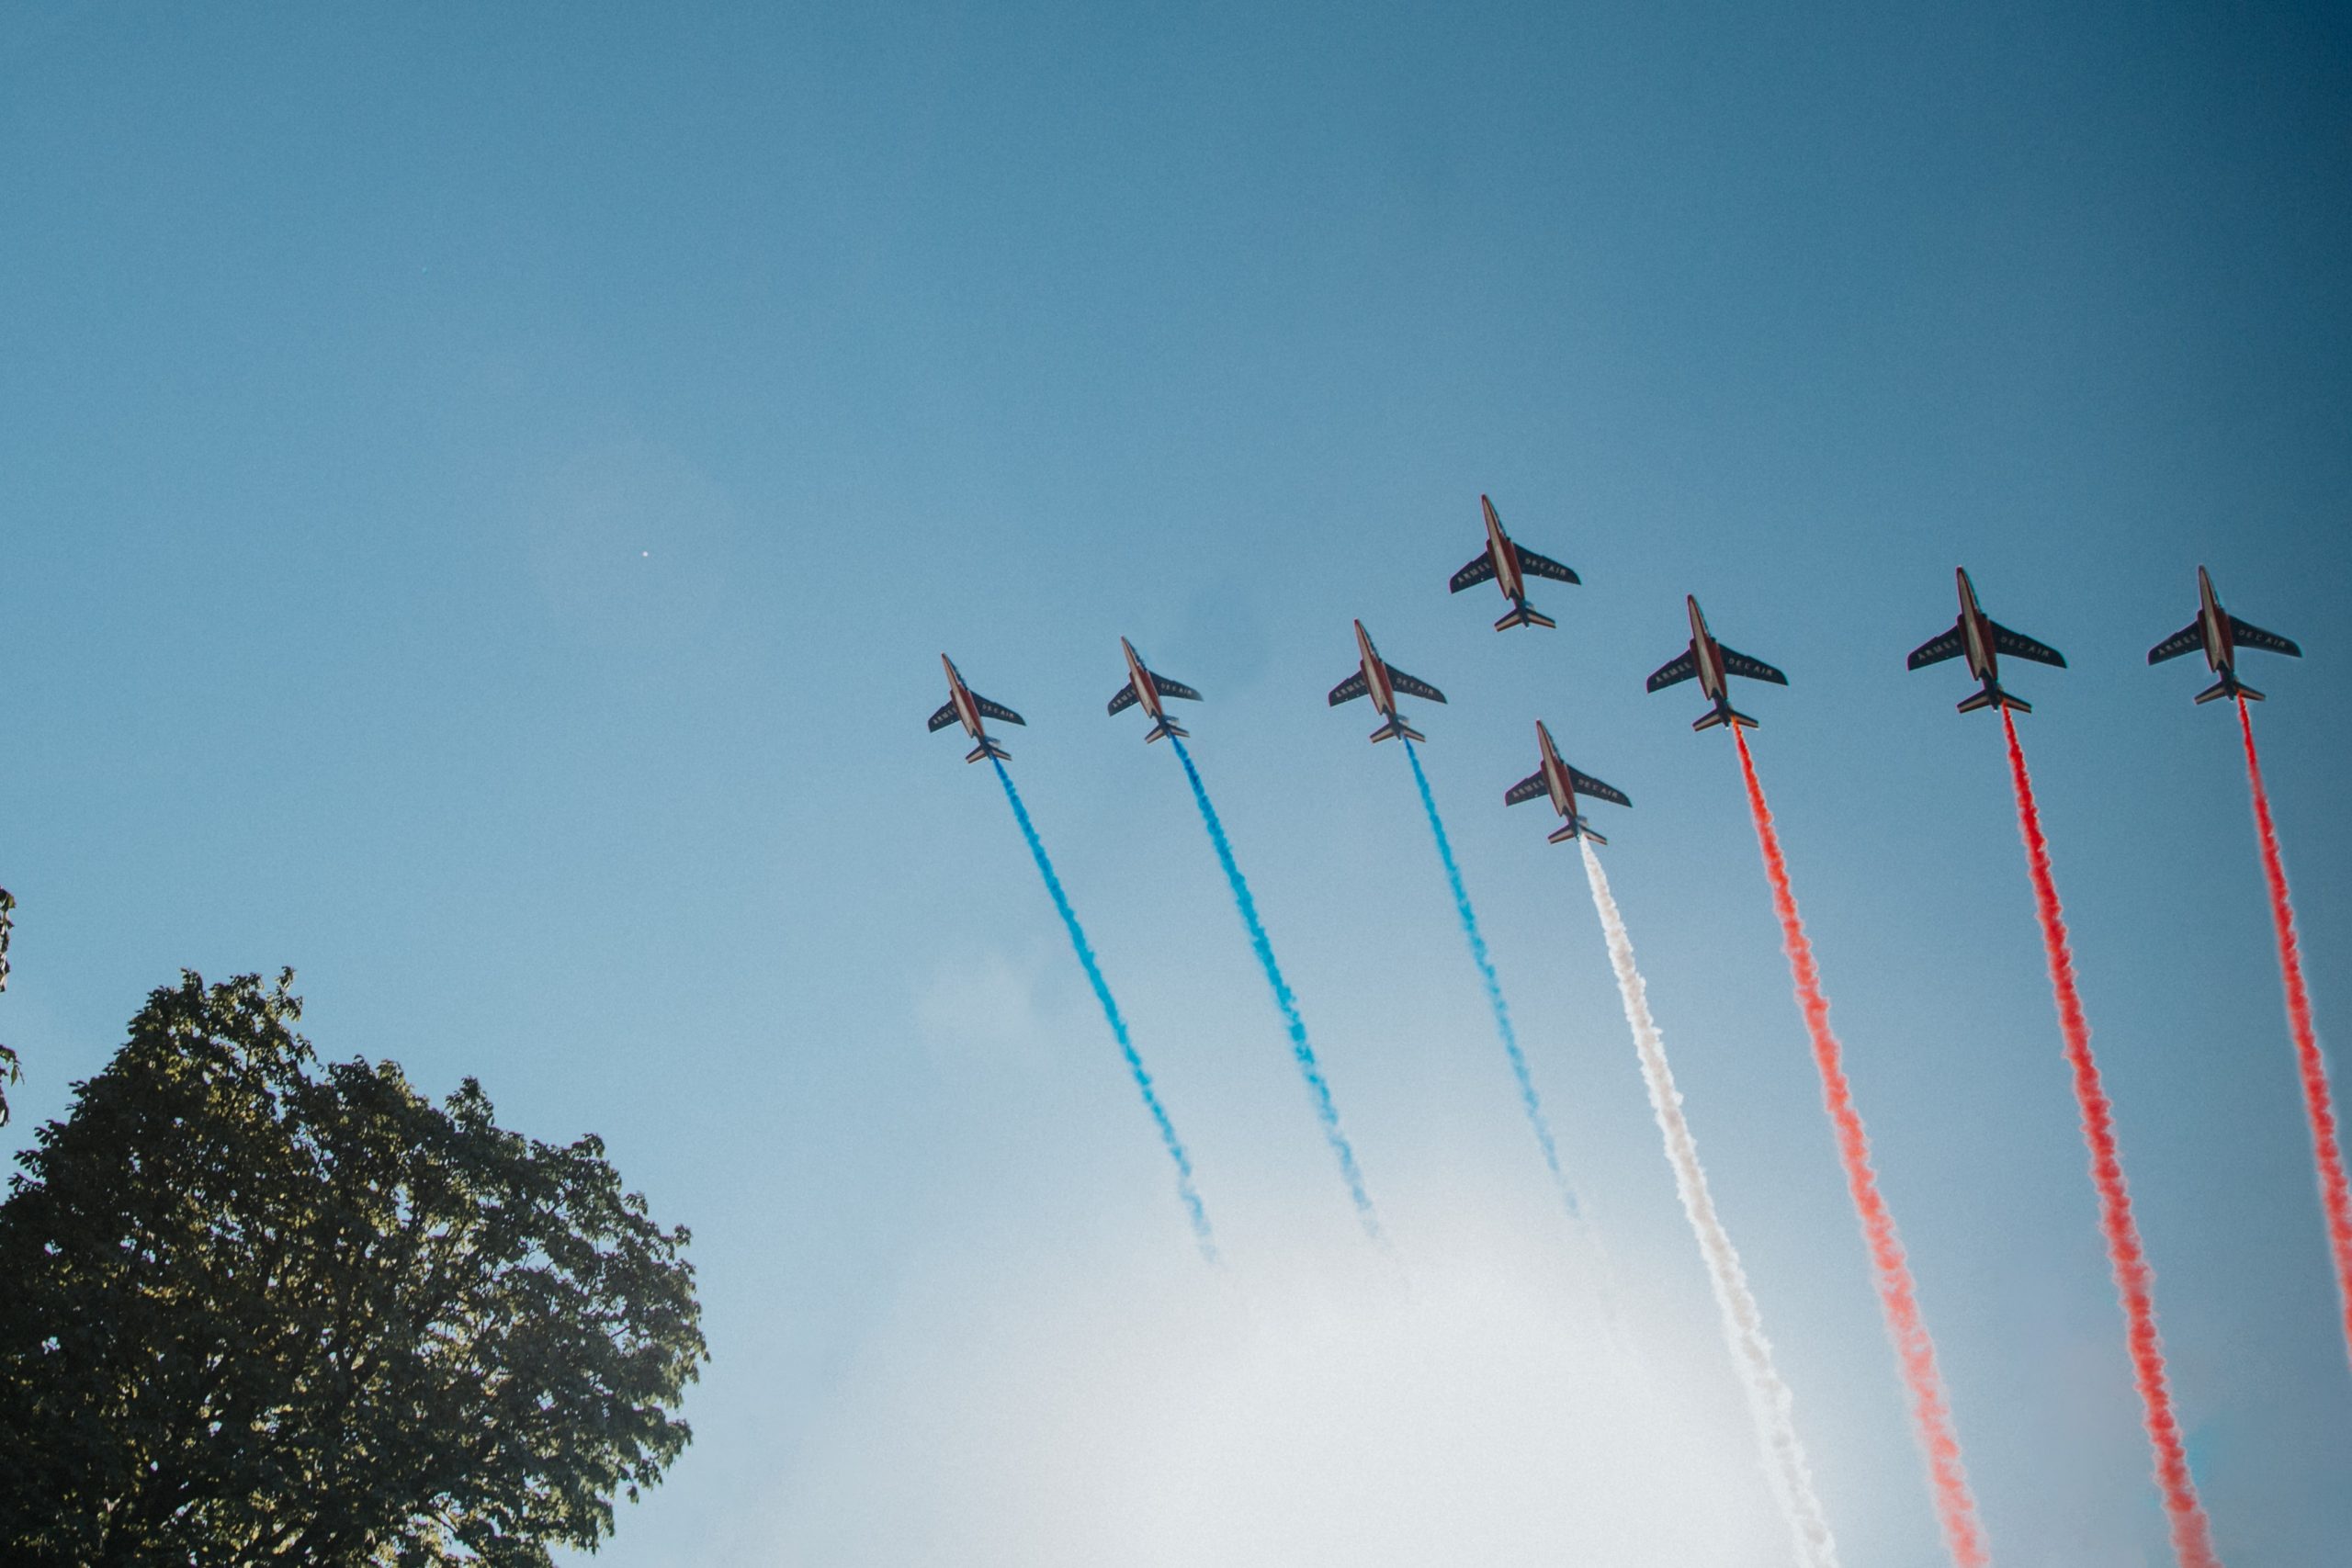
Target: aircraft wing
1534,565
997,711
1527,789
2188,639
1936,649
1678,669
2254,637
1587,784
2019,646
1168,688
1349,690
1737,663
1125,699
944,716
1413,686
1477,572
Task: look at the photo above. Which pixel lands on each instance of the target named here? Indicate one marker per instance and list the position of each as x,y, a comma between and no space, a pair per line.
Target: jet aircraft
969,708
1146,688
1563,784
1381,681
1714,664
2220,635
1510,566
1984,640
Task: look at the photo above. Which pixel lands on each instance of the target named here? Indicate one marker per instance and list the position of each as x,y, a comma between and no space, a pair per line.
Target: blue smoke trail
1118,1025
1324,1111
1527,1098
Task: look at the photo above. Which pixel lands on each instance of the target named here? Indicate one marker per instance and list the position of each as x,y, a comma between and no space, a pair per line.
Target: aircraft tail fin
1722,716
1397,730
1524,615
1992,696
1575,830
1164,729
987,748
2229,687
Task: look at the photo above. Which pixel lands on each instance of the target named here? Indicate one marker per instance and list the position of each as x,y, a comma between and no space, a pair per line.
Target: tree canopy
9,1071
259,1308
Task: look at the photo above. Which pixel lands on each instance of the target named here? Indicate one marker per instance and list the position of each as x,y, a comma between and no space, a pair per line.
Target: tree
9,1071
262,1309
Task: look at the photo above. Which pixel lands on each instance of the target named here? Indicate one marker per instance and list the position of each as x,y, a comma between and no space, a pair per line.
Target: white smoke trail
1769,1401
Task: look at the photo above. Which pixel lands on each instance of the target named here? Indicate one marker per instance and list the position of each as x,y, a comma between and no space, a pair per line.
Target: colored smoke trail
2192,1534
1898,1302
1769,1404
1301,1050
1509,1036
1184,1187
2318,1105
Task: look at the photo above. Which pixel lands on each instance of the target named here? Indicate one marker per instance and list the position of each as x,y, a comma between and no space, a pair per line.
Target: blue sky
485,494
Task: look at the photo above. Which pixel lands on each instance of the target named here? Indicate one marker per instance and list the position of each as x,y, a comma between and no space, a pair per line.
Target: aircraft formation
1974,635
1979,640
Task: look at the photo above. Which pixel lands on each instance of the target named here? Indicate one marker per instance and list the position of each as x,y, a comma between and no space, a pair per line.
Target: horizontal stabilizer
2246,635
2188,639
1993,695
1164,729
987,748
1575,830
2229,687
1397,729
1524,615
1534,565
1480,571
1722,716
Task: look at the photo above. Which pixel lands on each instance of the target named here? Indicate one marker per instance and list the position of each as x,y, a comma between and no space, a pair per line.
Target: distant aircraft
1714,664
1382,682
1563,784
1146,688
968,706
1984,640
2220,634
1510,566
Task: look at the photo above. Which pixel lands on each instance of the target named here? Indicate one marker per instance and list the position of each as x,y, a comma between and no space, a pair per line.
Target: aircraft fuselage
1708,656
967,712
2220,646
1508,575
1977,635
1375,675
1146,691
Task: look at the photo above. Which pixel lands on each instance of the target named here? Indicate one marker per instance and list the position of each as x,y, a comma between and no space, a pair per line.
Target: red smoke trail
2192,1534
2317,1105
1897,1298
